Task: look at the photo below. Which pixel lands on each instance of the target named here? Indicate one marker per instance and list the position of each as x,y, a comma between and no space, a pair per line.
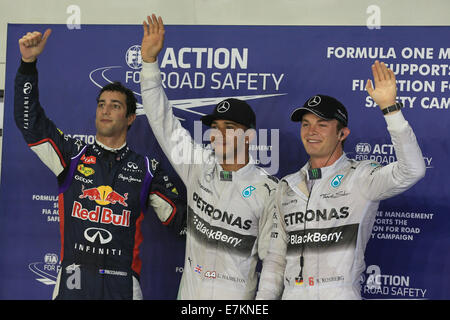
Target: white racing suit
229,214
333,223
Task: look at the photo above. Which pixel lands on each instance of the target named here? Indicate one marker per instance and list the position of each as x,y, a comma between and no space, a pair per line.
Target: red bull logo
114,197
92,194
102,215
104,195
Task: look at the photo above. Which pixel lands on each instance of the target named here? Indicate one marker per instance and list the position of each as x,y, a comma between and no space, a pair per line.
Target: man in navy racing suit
104,188
326,210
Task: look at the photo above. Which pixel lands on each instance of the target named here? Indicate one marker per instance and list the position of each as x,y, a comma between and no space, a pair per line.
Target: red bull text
102,215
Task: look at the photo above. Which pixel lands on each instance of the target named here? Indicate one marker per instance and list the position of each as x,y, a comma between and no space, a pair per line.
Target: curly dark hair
130,98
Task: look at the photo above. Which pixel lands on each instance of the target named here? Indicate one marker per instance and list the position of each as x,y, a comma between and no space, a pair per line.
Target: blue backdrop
276,69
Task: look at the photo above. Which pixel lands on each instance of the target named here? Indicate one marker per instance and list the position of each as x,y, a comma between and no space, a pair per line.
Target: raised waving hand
153,39
385,90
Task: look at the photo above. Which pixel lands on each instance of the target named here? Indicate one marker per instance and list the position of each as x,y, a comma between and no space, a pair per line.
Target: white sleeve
266,220
271,283
175,141
384,182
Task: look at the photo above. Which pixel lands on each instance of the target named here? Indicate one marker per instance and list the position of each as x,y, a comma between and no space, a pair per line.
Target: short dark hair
130,98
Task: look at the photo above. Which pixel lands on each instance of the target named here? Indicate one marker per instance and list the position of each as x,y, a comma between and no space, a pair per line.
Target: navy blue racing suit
103,195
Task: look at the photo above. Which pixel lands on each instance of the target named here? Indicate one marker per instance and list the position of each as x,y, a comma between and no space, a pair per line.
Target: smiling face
322,139
228,140
111,120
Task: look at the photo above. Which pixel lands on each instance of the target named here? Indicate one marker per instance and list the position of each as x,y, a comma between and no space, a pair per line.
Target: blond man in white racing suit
326,210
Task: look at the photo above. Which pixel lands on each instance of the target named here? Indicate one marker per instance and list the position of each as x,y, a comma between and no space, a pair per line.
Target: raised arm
175,141
40,133
384,182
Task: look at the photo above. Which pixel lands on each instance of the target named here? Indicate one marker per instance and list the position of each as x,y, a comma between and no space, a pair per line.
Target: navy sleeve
167,202
43,137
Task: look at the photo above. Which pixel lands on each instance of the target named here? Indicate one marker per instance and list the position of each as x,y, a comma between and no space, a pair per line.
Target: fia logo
51,258
336,182
247,192
46,271
363,148
133,57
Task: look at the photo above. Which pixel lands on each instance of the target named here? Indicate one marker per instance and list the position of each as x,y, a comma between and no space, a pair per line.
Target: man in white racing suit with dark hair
326,211
230,200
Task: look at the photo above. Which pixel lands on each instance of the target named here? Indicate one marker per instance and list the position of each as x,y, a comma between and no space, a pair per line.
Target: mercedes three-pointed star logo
314,101
223,107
